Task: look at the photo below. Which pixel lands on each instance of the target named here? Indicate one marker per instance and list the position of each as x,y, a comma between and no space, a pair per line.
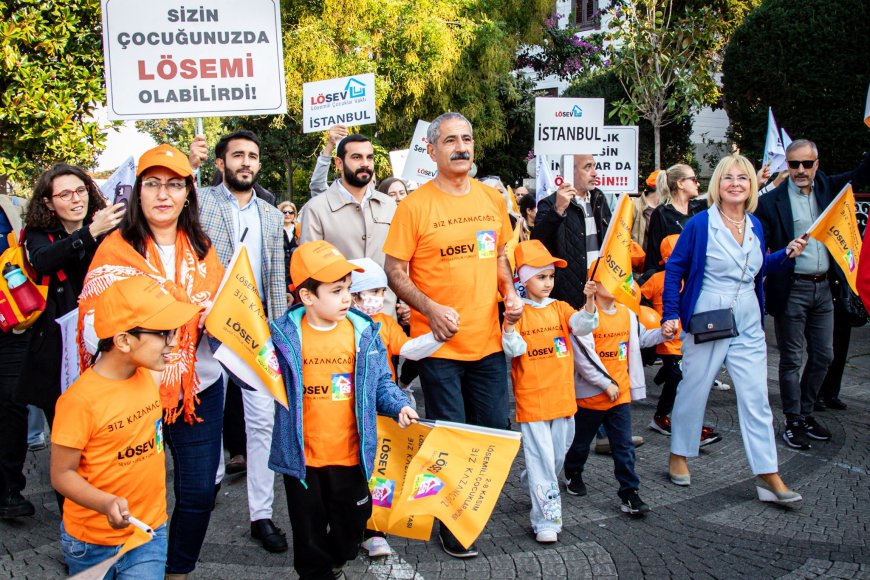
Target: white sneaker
547,536
377,546
720,386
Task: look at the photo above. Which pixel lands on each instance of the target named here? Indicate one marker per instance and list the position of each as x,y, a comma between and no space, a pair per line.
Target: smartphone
123,193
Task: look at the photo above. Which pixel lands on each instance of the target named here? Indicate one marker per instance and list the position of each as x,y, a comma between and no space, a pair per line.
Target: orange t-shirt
328,390
652,291
451,243
611,344
393,337
118,426
543,377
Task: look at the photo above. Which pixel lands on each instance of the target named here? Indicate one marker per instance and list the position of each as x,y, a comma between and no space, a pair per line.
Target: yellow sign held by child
238,320
837,229
614,267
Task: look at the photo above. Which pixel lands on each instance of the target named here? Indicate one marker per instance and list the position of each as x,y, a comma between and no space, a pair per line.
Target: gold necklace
737,224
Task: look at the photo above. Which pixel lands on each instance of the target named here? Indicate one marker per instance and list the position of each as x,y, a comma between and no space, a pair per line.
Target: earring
187,203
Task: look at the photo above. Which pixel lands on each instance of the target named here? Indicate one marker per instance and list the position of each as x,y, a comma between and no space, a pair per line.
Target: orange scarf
196,282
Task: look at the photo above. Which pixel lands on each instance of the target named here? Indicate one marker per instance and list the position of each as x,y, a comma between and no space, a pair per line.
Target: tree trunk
288,164
657,132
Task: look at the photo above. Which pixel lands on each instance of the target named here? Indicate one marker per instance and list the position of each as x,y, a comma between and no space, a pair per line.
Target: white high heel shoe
766,493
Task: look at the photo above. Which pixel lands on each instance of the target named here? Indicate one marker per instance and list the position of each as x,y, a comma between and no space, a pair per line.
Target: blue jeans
617,424
35,425
196,451
472,392
143,563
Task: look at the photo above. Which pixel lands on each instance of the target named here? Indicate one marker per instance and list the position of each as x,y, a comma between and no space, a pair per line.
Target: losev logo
382,491
623,350
342,387
425,485
561,347
486,244
849,258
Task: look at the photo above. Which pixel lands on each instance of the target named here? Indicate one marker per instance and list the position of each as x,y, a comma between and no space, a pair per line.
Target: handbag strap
739,284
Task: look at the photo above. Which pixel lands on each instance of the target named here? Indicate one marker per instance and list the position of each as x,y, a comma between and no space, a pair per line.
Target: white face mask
371,305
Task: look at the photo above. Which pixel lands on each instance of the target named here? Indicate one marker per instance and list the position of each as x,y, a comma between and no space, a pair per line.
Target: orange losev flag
614,267
837,229
238,320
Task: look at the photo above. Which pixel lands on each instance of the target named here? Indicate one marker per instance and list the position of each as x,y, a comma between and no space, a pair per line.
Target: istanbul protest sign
616,161
346,101
457,477
166,60
419,166
238,320
396,448
568,126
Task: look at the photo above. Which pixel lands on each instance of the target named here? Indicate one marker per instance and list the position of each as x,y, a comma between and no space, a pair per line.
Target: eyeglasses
168,335
288,212
171,186
692,178
66,194
737,178
807,163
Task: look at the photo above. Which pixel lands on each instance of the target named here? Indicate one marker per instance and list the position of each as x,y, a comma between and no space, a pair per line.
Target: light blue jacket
375,392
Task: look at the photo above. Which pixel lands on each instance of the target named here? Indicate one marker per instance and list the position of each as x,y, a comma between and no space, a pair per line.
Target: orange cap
319,260
533,253
165,156
637,256
651,180
667,246
139,302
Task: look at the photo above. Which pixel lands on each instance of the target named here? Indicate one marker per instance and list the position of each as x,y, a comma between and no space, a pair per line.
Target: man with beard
351,214
232,214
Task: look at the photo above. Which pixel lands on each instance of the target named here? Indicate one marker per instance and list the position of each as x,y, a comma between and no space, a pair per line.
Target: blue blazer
686,265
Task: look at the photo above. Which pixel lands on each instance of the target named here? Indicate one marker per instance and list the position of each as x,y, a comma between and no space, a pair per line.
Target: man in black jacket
800,301
571,224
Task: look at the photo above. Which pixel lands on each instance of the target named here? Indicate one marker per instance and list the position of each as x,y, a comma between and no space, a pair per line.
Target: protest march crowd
464,283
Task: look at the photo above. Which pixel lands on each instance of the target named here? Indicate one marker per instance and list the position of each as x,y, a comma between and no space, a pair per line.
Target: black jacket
666,221
71,253
774,213
565,238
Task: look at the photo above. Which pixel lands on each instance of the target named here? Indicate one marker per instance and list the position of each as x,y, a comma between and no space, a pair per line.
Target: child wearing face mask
367,292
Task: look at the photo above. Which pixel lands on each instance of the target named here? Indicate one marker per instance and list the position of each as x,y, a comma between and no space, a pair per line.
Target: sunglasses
692,178
288,212
807,163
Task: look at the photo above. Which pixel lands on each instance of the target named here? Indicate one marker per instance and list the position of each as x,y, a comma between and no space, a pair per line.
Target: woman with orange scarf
161,237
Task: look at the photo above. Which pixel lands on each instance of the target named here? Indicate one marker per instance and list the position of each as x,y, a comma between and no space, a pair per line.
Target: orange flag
457,477
238,320
837,229
98,572
396,448
614,267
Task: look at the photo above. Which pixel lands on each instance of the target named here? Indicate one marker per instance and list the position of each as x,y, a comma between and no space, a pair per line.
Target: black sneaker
815,430
633,505
451,545
575,485
13,505
709,437
794,436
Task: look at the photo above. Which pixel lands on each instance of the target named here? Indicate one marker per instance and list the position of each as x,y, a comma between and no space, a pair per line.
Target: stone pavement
715,528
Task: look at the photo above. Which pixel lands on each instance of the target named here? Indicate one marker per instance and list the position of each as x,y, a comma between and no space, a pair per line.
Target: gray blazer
216,217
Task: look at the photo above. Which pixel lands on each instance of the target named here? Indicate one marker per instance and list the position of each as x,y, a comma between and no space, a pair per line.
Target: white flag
786,141
774,154
544,184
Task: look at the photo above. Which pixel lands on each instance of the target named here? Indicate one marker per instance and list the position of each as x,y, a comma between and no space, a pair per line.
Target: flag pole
198,131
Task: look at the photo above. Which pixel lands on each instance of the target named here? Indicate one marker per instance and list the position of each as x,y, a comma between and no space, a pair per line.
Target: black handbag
853,307
717,324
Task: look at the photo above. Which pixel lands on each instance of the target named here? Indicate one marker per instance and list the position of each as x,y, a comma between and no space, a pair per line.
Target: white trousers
745,357
544,446
259,419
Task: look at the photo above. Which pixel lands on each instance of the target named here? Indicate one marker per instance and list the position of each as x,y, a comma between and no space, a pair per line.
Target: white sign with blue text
348,101
566,126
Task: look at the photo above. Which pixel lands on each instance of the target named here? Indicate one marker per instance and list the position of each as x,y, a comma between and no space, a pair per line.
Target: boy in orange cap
337,379
609,375
670,375
107,439
542,371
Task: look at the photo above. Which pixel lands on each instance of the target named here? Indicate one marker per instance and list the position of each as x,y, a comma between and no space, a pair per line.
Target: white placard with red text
166,59
616,161
419,166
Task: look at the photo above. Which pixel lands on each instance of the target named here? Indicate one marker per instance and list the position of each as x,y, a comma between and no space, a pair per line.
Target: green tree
666,55
180,132
810,61
51,80
675,138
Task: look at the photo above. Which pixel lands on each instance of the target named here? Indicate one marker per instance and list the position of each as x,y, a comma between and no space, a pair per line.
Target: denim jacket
375,392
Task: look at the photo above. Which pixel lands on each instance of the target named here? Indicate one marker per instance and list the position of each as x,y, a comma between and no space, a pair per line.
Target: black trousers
235,440
669,377
13,415
328,518
830,388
